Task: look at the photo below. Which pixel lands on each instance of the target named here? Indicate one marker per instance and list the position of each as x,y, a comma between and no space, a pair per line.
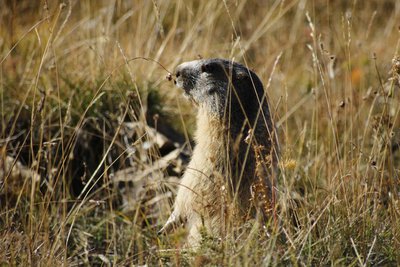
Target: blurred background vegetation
85,179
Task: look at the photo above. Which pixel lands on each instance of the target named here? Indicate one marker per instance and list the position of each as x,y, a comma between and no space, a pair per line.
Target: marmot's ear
242,74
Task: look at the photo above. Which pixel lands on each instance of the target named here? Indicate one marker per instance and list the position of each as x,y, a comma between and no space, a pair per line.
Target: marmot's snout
186,75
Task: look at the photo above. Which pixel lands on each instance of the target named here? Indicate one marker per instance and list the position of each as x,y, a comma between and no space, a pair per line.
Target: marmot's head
225,88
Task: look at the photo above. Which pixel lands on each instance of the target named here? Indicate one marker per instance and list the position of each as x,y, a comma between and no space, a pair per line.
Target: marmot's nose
178,73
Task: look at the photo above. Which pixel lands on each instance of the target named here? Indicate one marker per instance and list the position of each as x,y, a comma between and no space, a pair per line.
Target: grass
68,90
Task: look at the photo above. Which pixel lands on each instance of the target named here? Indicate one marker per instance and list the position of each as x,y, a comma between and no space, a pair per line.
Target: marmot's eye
210,67
206,67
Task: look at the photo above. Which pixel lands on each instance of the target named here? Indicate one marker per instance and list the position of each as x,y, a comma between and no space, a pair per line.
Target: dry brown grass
67,84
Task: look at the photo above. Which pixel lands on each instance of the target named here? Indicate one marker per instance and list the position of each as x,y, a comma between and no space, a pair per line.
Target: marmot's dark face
221,85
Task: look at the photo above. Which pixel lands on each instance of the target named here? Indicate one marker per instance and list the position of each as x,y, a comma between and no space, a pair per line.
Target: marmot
232,107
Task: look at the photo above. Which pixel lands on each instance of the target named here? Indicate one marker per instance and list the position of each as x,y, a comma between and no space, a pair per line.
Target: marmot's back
233,118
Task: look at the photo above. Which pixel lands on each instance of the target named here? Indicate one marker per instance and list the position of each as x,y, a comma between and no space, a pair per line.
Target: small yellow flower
289,164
